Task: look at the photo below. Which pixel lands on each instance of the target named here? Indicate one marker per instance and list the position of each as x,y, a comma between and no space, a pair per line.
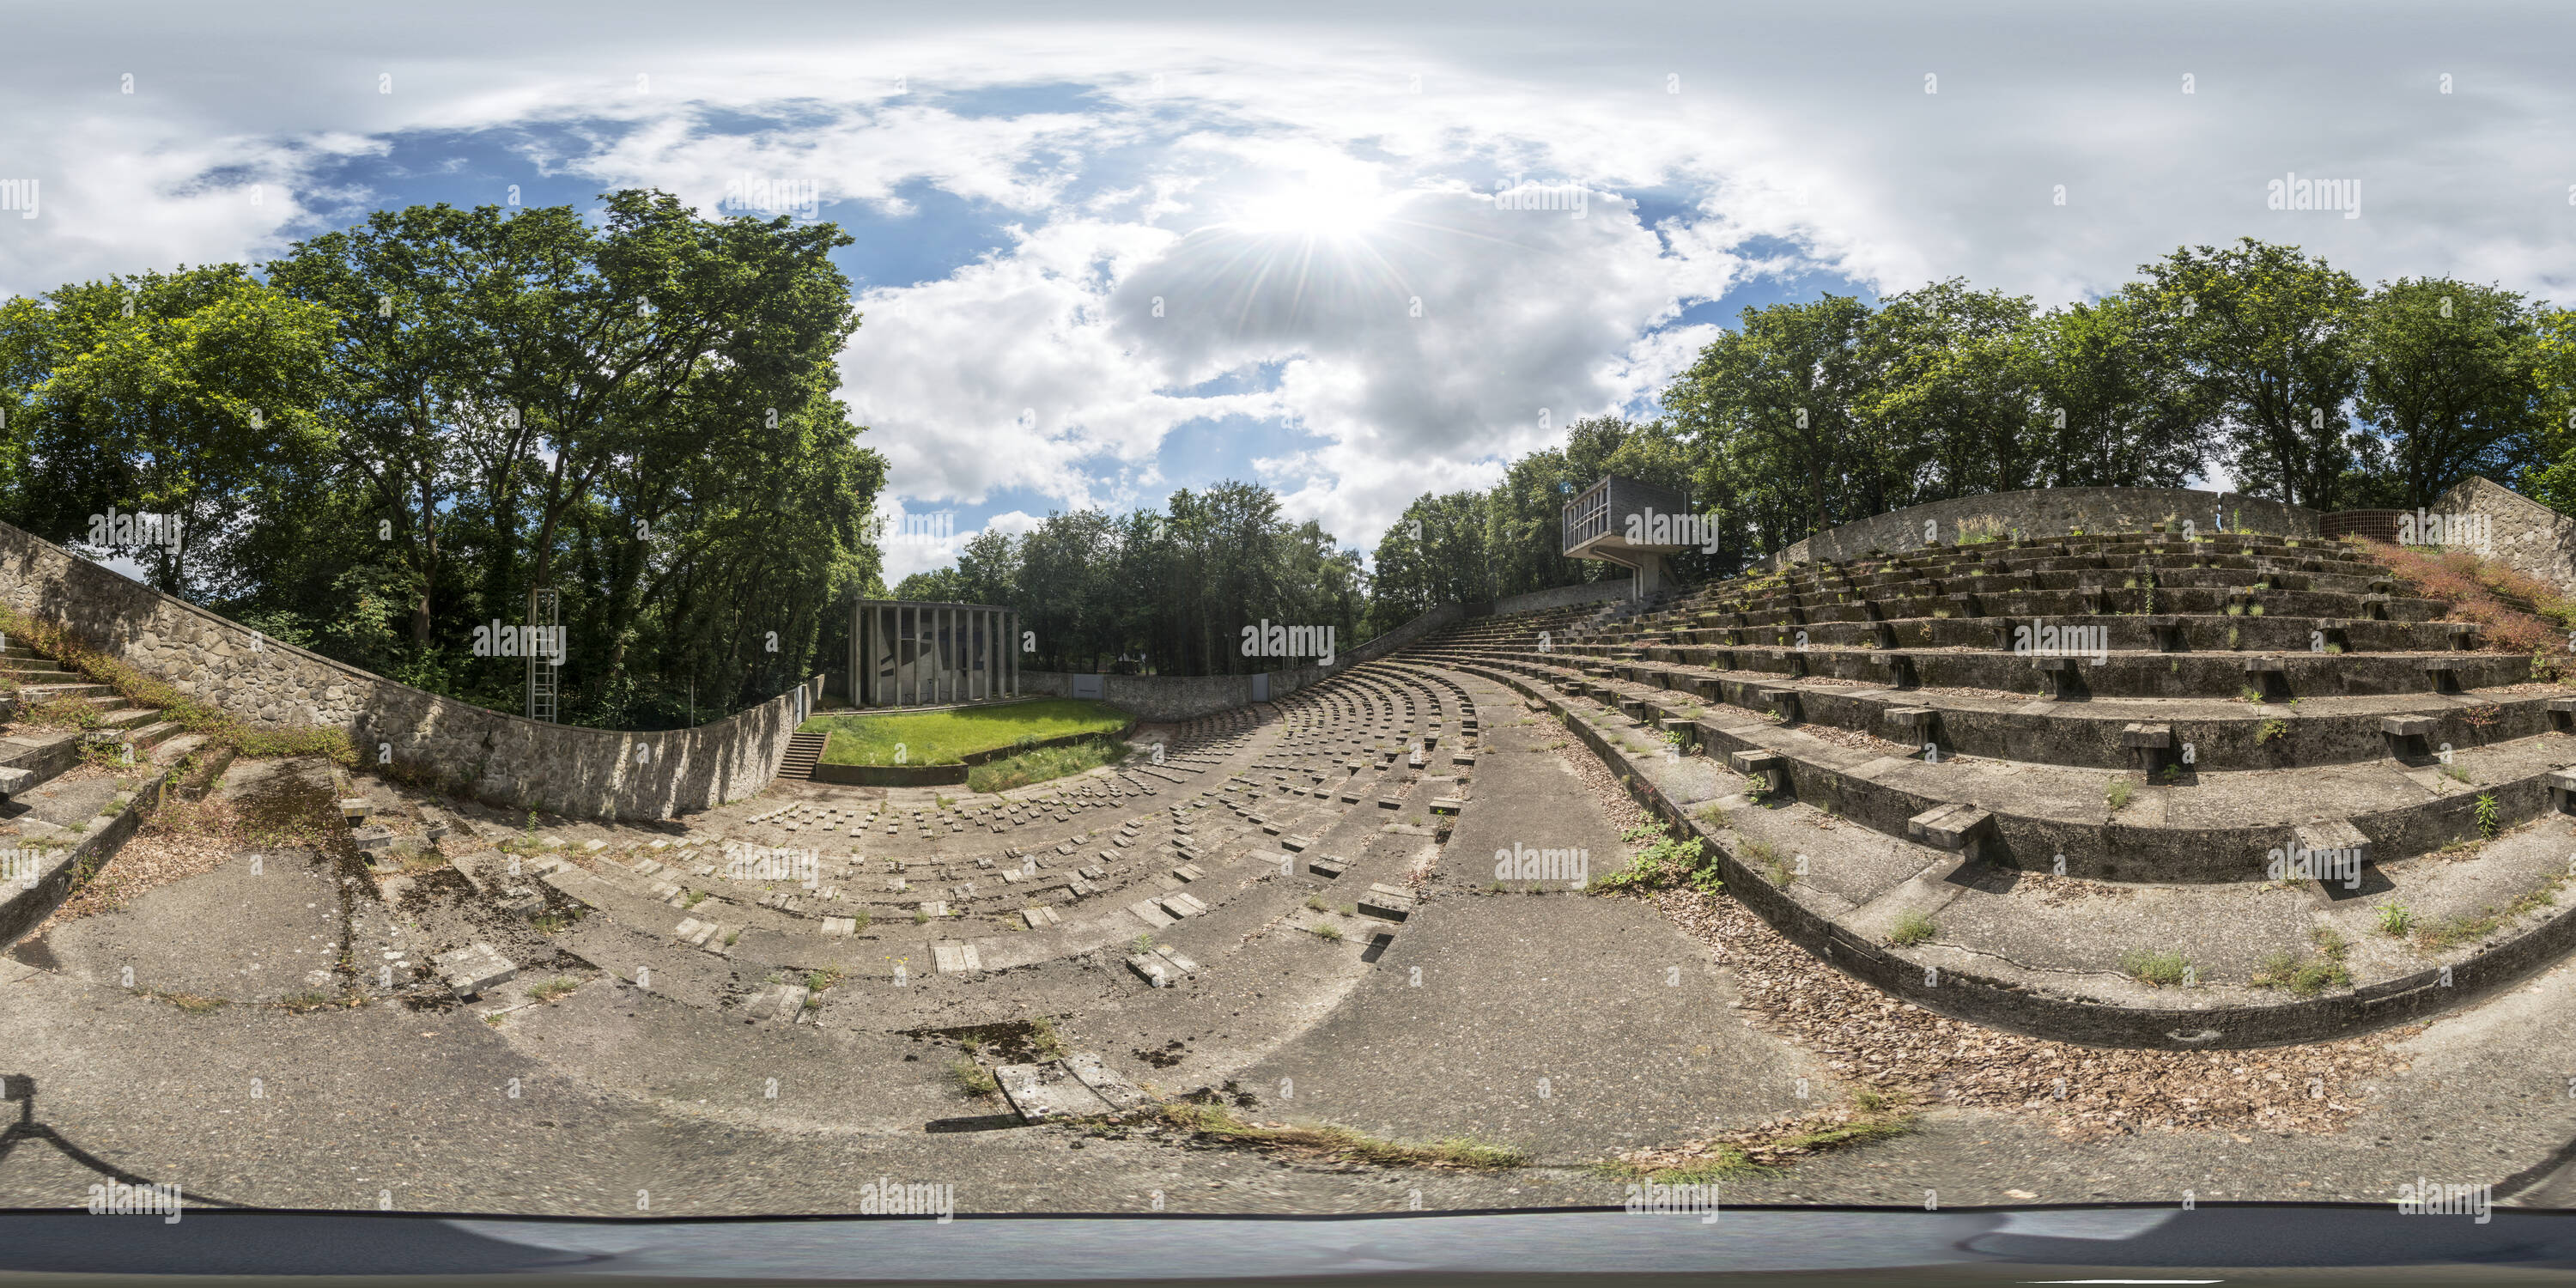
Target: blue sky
1153,249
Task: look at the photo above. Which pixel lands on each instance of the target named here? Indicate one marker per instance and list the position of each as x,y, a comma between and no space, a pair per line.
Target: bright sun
1333,204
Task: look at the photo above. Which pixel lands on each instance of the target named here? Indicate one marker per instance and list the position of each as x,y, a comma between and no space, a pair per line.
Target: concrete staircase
32,754
804,751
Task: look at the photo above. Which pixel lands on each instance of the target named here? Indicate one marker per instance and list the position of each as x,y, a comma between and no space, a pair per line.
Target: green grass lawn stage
943,737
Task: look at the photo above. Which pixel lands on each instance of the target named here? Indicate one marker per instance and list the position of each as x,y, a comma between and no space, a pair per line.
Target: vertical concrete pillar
908,658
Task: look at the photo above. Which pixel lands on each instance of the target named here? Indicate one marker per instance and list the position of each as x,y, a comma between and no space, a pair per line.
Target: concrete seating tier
2123,746
1963,909
2130,713
977,884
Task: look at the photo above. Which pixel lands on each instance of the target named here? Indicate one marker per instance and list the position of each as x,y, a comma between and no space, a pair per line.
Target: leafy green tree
1948,394
2551,477
188,394
412,422
2275,338
2447,382
2116,405
988,569
1780,403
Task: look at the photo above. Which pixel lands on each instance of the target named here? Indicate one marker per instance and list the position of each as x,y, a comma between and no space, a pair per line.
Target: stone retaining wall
2049,512
503,759
2525,534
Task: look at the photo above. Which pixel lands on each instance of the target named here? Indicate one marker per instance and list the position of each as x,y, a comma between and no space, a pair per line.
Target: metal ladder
545,608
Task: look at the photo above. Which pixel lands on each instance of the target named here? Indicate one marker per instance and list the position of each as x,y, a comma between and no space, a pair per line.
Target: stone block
1045,1093
1953,827
1388,902
2157,737
1911,721
1088,1069
468,971
779,1003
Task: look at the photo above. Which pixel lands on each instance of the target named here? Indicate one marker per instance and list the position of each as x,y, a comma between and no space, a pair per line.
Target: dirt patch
1855,740
1003,1042
433,888
183,839
2047,888
1954,691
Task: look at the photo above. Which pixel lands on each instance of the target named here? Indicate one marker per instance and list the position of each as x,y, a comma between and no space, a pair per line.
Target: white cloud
1164,162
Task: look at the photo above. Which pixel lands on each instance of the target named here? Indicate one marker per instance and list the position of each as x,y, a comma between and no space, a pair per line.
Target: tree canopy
395,432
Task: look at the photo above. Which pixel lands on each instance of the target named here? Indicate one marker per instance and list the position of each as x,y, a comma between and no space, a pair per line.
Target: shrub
2305,977
2489,821
2162,970
1663,862
64,713
971,1078
2394,919
1911,928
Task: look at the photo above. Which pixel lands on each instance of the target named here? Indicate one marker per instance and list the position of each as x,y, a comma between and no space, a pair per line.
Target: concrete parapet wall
1556,597
2049,512
504,759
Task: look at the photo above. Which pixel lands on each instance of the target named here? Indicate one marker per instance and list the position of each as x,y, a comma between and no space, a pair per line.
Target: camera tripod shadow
22,1089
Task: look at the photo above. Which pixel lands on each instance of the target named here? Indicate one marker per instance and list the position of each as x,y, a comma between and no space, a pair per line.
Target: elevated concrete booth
1597,526
905,654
